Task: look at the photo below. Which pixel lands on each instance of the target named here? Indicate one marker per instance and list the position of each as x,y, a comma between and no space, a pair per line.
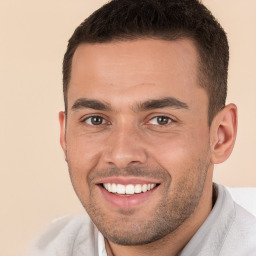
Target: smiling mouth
128,190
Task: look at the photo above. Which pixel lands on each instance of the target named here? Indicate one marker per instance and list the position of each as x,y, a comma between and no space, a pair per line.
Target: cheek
82,152
82,158
80,162
180,152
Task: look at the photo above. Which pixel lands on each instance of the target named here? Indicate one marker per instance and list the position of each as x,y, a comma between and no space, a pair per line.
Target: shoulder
241,237
70,235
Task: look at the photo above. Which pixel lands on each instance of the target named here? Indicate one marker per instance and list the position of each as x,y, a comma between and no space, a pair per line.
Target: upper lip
127,180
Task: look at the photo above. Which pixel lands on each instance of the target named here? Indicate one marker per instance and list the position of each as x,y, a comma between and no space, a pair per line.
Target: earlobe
223,134
62,120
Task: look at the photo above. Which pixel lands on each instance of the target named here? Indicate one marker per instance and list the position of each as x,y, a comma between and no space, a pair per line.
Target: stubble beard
172,210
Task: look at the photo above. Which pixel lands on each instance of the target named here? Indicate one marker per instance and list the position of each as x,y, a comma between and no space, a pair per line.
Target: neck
174,242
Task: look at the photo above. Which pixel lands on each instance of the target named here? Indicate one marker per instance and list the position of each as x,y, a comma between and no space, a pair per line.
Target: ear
62,120
223,134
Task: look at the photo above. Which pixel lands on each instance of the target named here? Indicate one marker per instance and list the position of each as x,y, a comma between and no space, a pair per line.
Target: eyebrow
93,104
162,103
143,106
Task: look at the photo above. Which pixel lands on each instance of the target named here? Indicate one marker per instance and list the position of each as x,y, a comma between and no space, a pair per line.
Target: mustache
140,172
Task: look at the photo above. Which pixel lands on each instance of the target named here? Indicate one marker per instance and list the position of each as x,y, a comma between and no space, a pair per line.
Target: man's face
137,121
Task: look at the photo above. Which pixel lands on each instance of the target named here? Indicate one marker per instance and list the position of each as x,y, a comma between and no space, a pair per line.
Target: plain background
34,181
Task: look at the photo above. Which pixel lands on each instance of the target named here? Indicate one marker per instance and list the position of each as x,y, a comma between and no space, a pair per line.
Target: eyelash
94,116
105,122
169,120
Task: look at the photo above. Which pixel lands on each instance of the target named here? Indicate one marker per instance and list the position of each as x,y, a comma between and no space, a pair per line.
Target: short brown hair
124,20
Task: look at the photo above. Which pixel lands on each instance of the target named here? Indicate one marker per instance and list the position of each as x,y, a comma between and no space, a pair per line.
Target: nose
125,148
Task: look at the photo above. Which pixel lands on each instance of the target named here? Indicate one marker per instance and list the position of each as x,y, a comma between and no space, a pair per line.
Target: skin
130,142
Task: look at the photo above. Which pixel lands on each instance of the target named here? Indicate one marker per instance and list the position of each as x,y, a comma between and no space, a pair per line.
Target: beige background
34,182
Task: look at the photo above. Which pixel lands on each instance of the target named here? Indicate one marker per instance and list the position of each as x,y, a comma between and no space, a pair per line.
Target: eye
160,120
95,120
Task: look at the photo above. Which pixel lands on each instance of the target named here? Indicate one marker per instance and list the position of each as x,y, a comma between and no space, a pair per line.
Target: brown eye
95,120
160,120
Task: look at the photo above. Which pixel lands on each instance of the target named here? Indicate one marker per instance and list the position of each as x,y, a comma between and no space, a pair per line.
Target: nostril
134,163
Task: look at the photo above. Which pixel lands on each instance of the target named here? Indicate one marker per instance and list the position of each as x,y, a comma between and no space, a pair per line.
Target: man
145,121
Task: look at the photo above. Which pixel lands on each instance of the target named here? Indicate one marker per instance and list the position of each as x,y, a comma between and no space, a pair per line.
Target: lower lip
124,201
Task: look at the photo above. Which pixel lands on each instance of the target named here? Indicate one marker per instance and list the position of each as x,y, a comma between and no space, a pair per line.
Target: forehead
133,70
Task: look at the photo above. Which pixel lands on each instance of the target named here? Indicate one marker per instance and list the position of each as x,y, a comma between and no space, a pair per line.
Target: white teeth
114,190
144,187
109,187
120,189
129,189
137,188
